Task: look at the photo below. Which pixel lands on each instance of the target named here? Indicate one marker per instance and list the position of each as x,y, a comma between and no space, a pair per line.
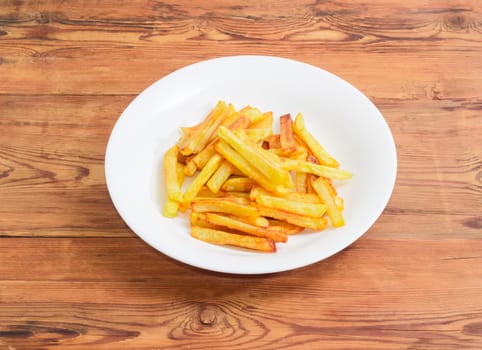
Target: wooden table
73,276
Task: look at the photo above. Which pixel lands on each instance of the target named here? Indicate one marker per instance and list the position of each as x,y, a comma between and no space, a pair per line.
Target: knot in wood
208,314
457,22
43,18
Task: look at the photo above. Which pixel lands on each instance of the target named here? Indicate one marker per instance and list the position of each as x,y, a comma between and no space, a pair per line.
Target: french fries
252,188
287,140
322,188
240,184
170,170
227,238
308,209
221,175
247,227
320,153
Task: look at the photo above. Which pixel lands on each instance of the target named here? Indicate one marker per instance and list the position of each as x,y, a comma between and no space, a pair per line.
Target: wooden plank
410,22
131,260
122,294
47,74
47,44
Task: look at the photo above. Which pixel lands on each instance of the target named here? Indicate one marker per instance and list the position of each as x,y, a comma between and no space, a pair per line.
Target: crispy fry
247,169
258,191
180,174
170,171
206,192
171,208
300,182
204,155
266,122
295,219
285,227
257,157
286,134
238,184
220,176
201,179
257,135
309,209
228,238
322,189
237,172
274,141
320,153
190,168
316,169
253,114
194,139
224,205
242,226
339,203
234,194
241,122
199,219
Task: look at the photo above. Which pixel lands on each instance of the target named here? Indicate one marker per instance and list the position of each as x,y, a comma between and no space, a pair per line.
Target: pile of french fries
250,187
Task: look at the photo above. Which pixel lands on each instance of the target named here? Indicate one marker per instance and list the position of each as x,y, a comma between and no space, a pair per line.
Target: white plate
348,125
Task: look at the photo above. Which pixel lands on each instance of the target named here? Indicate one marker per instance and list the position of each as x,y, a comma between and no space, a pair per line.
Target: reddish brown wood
73,276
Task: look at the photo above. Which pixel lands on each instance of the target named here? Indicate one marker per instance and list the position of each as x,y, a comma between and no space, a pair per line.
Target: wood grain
121,294
72,274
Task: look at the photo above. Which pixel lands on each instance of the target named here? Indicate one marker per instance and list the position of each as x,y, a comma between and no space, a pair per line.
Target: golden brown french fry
201,179
316,169
247,169
204,155
285,227
308,209
241,122
339,203
224,205
254,114
194,139
242,226
233,239
190,168
206,192
199,219
170,172
238,184
300,182
237,172
319,152
322,189
257,191
274,141
171,208
209,151
332,189
295,219
180,174
257,157
264,122
220,176
233,194
236,199
287,139
257,135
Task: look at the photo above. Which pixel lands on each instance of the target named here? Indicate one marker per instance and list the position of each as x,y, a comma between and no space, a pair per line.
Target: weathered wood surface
73,276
